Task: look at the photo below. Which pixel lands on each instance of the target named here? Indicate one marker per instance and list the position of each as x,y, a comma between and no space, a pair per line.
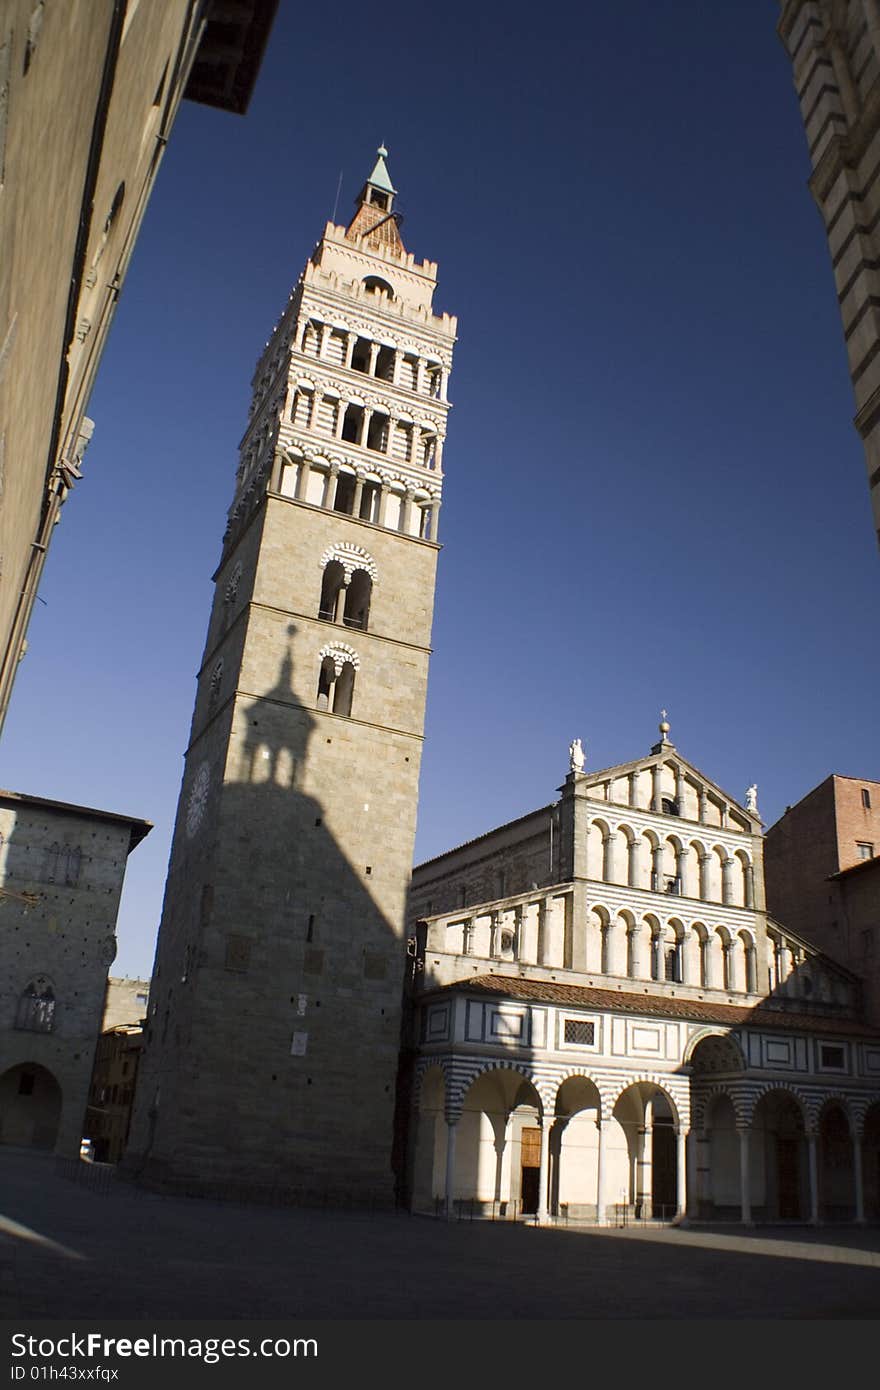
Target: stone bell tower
275,1010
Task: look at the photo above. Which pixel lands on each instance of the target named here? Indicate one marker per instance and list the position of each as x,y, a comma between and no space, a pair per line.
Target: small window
864,850
36,1007
669,806
579,1031
866,799
833,1058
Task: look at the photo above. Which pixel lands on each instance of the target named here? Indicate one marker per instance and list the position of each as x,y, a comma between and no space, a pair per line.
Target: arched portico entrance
836,1170
587,1152
649,1120
30,1106
779,1163
499,1159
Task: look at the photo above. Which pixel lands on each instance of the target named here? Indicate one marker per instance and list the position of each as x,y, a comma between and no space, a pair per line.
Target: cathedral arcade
641,1040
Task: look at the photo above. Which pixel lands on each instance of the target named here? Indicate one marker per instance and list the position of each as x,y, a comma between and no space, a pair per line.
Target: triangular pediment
668,754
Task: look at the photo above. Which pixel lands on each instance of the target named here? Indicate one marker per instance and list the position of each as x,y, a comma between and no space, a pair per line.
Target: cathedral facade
607,1023
275,1011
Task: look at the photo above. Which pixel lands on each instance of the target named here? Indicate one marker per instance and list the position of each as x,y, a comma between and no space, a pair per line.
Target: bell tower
274,1024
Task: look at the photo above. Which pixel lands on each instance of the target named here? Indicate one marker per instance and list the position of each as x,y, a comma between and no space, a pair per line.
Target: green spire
380,178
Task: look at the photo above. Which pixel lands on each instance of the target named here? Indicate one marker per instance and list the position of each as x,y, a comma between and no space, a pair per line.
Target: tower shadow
270,1070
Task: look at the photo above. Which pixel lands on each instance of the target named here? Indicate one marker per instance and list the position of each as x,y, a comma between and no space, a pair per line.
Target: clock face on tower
198,796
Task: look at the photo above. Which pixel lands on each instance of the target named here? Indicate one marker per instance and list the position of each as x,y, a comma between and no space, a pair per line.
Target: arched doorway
779,1166
498,1145
649,1119
836,1168
720,1198
30,1107
574,1151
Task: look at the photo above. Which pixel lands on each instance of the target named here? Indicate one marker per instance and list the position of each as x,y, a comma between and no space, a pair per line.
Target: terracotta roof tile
620,1001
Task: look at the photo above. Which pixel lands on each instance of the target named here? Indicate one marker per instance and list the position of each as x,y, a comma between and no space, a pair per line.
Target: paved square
70,1252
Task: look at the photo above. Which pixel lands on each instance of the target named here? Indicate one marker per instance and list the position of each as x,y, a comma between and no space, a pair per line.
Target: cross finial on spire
664,727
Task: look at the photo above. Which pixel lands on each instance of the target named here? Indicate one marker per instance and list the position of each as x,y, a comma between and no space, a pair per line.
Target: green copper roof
380,178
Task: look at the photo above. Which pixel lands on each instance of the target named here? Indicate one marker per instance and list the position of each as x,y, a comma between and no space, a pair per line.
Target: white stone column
656,798
449,1191
339,613
644,1175
302,481
814,1178
350,340
783,958
679,790
518,930
495,935
406,512
322,334
544,1171
685,869
467,936
374,353
384,490
329,485
544,944
633,789
657,868
727,881
690,959
609,857
705,861
358,494
703,812
395,368
681,1172
420,376
600,1174
365,426
634,866
745,1195
858,1181
340,419
692,1159
435,518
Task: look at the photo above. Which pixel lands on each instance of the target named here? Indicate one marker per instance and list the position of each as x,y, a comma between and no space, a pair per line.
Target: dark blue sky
654,493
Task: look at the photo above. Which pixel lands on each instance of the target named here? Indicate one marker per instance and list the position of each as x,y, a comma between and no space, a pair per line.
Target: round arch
30,1106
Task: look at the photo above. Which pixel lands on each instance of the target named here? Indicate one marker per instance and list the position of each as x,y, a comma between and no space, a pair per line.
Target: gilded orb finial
664,727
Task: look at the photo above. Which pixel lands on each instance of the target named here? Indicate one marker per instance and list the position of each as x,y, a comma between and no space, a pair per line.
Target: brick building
821,870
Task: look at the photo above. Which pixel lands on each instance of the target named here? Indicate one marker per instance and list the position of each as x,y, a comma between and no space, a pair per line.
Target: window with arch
36,1006
374,284
336,679
347,586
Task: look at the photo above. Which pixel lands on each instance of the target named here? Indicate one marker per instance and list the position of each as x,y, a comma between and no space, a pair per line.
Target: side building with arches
61,874
606,1022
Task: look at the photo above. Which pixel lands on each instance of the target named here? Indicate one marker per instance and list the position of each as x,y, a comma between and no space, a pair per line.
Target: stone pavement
70,1252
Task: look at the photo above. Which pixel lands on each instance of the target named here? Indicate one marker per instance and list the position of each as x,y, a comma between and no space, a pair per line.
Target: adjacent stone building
88,96
822,864
61,874
275,1011
607,1020
834,47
